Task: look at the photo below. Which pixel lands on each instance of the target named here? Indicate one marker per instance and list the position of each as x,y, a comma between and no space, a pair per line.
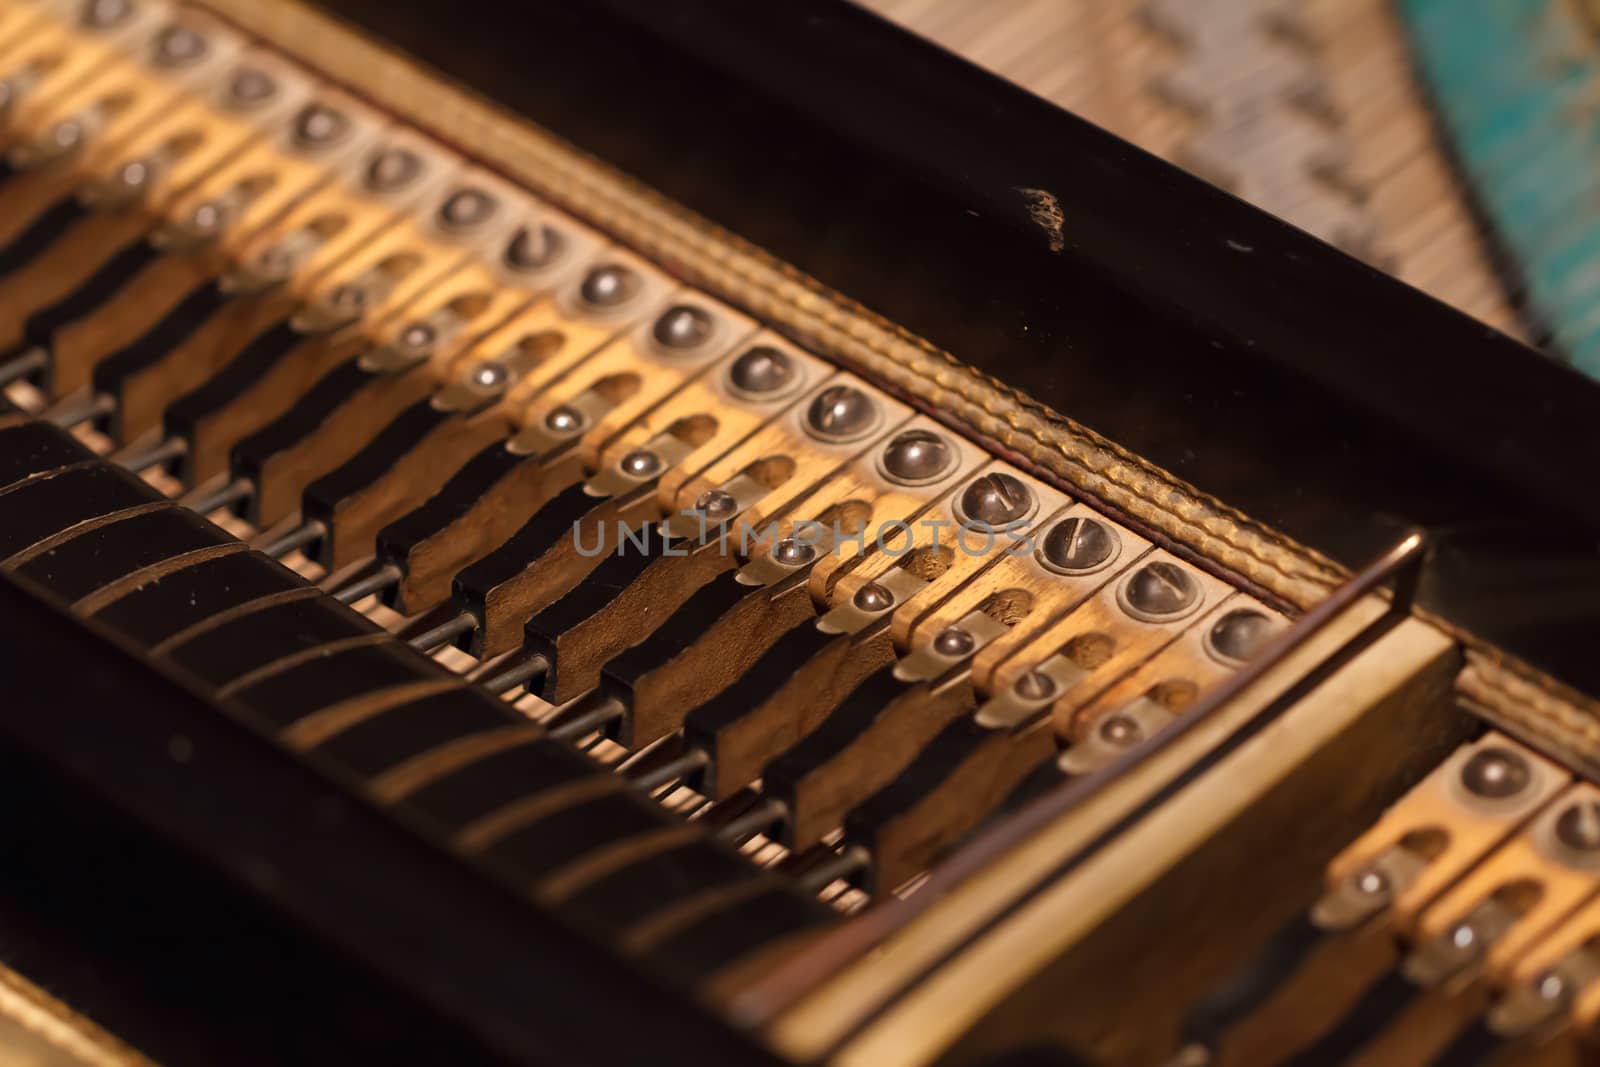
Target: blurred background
1452,143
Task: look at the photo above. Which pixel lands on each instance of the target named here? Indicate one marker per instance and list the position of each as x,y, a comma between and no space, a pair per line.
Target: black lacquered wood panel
732,934
54,503
419,726
185,598
201,960
548,844
253,640
76,568
31,448
284,697
644,888
489,784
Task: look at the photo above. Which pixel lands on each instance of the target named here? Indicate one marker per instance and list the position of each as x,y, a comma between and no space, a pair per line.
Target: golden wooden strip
645,935
305,655
61,537
1557,878
54,472
318,727
37,1030
227,615
1472,829
612,857
530,809
120,588
405,778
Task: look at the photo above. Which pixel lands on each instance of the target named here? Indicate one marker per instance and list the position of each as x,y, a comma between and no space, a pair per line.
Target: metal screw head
792,553
1121,731
1078,545
393,168
916,457
134,175
177,46
762,370
1160,591
103,14
1035,685
841,413
564,420
206,218
716,505
682,327
608,285
417,336
1551,986
466,207
276,261
874,597
1371,883
1578,827
954,641
995,500
66,134
534,247
488,375
640,463
1463,936
251,87
1496,773
318,126
348,298
1239,634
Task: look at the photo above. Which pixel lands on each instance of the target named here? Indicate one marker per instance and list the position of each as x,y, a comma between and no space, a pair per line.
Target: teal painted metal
1515,85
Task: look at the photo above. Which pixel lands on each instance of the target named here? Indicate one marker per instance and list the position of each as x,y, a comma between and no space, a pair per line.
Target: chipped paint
1045,211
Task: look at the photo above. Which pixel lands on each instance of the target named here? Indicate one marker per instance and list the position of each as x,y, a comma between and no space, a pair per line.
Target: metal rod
376,582
692,760
854,858
34,359
764,816
298,537
596,718
528,669
102,404
445,632
170,449
235,491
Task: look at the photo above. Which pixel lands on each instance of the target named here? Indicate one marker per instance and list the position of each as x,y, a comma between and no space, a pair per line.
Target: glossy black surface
1250,360
280,920
77,567
32,448
56,501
